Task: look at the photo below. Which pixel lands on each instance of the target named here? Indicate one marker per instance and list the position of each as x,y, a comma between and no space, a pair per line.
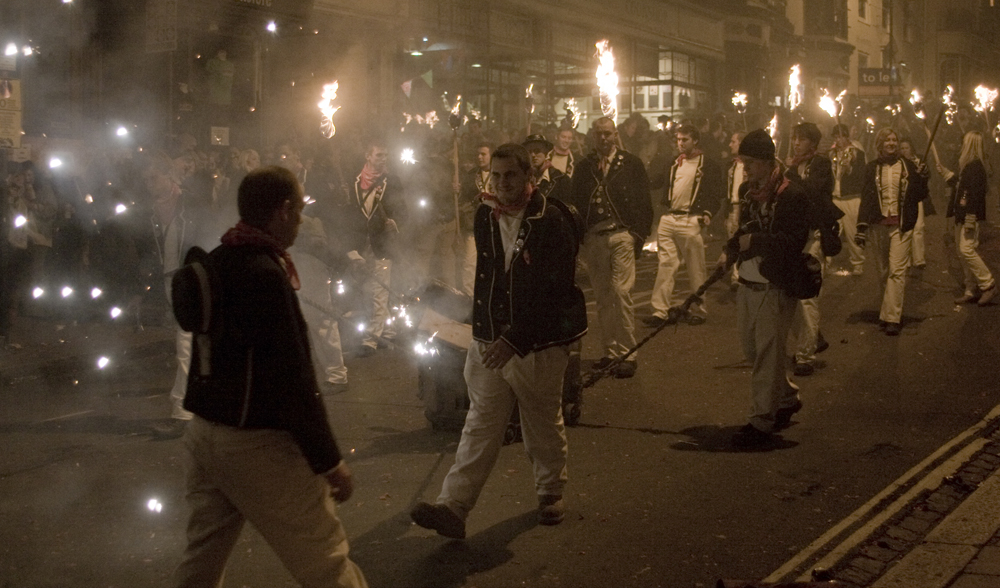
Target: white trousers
259,475
892,257
763,319
977,275
377,301
677,238
610,261
535,383
918,255
179,390
733,225
849,228
805,325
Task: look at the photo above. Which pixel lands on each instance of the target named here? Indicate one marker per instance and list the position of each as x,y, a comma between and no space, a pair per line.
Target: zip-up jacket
536,303
260,373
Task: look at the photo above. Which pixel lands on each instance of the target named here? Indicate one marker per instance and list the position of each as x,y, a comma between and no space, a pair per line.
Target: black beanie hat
757,144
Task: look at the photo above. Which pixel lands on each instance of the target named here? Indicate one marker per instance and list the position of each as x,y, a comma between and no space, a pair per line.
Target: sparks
951,107
572,112
116,312
66,292
426,347
103,362
20,220
794,87
917,101
985,101
121,208
740,102
327,109
407,156
607,80
96,293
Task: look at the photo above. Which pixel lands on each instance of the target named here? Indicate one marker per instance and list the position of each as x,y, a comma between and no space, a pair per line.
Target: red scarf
692,155
775,184
368,177
800,159
243,234
499,208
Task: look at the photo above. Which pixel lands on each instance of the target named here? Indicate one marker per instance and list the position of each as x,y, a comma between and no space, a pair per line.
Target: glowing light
103,362
985,101
28,50
361,327
10,50
407,156
37,293
917,101
116,312
457,107
154,505
121,132
529,99
572,111
120,208
340,287
96,293
740,102
88,199
327,109
951,107
607,80
830,105
20,221
66,292
423,203
772,127
871,124
893,109
67,1
272,27
416,53
55,162
477,65
794,87
426,347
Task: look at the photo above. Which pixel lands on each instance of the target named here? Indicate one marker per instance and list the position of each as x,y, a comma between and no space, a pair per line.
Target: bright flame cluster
830,105
985,99
430,119
574,111
918,104
327,109
607,80
950,106
740,102
772,127
794,87
407,156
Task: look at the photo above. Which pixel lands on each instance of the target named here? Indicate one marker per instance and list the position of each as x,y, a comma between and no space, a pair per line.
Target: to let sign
161,25
875,81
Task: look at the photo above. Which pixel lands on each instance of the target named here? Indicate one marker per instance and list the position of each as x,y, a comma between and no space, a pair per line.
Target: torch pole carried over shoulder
930,137
455,122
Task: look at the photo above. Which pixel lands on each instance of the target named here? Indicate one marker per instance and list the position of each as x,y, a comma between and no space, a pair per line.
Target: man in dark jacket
550,182
694,191
259,447
611,192
849,177
774,226
527,311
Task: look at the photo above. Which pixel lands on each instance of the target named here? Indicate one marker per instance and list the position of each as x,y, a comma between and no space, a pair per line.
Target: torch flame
607,80
918,104
740,102
572,111
985,99
407,156
772,127
529,99
458,105
794,83
327,109
828,104
951,107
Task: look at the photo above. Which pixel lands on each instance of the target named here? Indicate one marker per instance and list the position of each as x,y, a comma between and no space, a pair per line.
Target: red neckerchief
500,208
773,185
243,234
800,159
368,177
692,155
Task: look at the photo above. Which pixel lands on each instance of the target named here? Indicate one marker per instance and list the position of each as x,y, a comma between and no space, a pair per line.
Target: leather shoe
602,363
169,430
625,369
803,369
967,298
821,343
440,518
551,509
783,416
893,329
694,320
751,436
987,295
657,321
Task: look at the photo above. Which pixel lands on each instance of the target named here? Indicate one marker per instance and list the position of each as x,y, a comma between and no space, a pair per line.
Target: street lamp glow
55,162
10,50
120,209
103,362
271,27
121,132
37,292
66,291
28,50
116,312
96,293
20,221
154,505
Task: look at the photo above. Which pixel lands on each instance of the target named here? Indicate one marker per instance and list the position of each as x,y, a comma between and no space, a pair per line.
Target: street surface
657,497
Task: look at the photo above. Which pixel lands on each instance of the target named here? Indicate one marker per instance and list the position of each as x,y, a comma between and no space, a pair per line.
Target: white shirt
560,161
749,270
682,191
889,187
734,196
509,226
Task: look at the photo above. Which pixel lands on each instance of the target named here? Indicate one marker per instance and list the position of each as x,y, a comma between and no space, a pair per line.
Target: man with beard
374,206
893,188
551,182
527,311
774,227
611,192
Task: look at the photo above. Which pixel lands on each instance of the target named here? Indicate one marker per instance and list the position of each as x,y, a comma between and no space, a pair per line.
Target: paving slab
974,521
931,565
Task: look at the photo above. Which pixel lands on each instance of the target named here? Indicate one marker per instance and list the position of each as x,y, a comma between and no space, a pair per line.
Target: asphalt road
657,496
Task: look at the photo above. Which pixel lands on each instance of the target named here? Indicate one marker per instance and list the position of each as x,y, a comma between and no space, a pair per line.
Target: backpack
195,290
804,278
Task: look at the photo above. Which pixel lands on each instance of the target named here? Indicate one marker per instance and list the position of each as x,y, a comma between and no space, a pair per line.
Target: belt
678,212
755,286
605,227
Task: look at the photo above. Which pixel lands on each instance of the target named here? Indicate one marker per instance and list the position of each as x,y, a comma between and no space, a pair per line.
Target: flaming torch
950,106
794,87
529,105
327,109
455,121
607,80
917,101
831,105
985,100
572,112
740,102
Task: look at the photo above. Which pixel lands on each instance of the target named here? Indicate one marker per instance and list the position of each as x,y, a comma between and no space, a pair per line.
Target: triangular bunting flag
407,87
429,78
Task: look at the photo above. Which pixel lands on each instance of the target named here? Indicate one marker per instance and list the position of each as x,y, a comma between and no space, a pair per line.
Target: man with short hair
611,192
259,447
374,206
562,157
551,182
694,191
774,227
527,311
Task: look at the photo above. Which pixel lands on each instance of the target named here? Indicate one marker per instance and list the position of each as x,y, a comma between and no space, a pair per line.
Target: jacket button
482,276
479,324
